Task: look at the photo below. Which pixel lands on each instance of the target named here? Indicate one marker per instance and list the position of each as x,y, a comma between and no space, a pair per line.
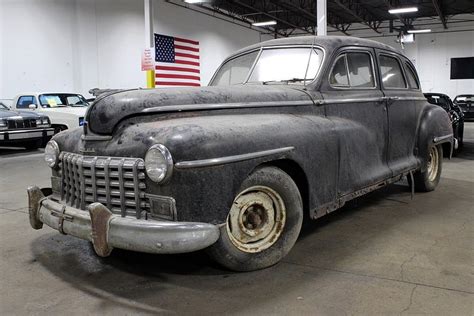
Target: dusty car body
455,115
236,167
23,129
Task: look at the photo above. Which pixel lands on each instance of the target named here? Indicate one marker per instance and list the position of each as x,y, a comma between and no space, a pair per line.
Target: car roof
327,42
44,92
435,93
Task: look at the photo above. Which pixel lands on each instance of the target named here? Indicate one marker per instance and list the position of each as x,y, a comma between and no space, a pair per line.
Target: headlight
51,153
158,163
3,124
42,121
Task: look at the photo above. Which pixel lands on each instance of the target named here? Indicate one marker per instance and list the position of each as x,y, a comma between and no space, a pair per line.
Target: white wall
76,45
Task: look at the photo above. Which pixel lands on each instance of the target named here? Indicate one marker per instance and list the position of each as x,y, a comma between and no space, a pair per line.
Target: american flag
177,62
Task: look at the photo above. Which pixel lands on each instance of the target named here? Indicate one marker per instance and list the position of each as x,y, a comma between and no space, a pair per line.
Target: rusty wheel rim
433,163
256,219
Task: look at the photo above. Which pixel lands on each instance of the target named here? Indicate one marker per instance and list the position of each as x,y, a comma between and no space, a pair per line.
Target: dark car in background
456,116
23,129
465,102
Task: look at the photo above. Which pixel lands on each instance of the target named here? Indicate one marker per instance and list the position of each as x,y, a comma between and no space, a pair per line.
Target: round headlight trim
51,154
167,163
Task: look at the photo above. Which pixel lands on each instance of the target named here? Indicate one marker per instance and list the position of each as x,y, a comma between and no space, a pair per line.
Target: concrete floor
382,254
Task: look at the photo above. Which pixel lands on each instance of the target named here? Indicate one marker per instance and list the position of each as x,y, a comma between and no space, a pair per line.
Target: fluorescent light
403,10
194,1
419,31
265,23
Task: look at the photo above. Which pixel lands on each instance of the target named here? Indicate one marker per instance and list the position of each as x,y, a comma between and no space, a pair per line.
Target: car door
353,101
401,97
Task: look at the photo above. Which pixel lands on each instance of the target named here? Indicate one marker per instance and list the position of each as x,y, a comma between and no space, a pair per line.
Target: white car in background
65,110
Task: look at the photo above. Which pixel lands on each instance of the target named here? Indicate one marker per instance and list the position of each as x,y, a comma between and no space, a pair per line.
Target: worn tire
428,180
226,252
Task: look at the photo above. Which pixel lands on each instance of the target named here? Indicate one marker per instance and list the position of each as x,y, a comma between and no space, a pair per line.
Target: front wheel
428,180
263,223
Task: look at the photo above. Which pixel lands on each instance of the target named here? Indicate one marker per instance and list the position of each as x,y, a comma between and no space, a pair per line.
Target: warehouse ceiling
299,16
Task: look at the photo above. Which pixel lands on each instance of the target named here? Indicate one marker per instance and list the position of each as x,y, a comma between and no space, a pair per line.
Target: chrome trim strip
352,100
95,137
441,138
230,159
23,134
219,106
377,99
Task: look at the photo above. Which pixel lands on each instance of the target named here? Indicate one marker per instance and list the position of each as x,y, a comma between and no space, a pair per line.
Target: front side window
339,76
361,74
25,101
353,70
273,66
412,82
391,73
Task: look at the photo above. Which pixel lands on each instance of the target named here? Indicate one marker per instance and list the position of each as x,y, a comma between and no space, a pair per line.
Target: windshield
274,65
465,98
438,100
62,99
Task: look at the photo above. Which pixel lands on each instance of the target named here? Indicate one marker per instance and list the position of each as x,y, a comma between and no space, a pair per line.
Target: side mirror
32,106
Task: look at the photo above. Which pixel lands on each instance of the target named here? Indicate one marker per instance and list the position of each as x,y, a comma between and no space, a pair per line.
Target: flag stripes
176,61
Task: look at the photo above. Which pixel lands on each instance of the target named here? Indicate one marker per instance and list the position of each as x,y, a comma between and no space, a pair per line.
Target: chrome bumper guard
107,231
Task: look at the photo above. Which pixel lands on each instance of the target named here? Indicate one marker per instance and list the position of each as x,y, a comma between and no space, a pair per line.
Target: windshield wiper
287,81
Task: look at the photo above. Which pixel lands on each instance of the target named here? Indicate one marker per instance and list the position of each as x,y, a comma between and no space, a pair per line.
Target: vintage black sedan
288,129
455,115
23,129
466,103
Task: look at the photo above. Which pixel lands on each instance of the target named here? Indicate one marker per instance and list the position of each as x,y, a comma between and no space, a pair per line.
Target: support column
321,14
149,39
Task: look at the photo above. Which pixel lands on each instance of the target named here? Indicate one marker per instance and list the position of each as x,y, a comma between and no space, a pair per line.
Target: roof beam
437,6
346,6
308,15
248,7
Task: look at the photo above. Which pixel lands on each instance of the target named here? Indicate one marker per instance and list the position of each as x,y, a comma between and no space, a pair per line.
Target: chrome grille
21,123
118,183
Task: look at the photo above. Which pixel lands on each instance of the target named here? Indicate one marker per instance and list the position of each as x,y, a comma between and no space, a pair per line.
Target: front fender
434,128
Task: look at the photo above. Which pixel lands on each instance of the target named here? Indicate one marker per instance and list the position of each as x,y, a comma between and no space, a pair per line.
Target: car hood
24,114
109,110
78,111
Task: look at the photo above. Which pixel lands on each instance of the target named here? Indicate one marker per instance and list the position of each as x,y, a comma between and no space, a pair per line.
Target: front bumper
107,231
28,134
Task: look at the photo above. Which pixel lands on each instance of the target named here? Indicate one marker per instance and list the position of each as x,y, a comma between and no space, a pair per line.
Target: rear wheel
263,223
428,180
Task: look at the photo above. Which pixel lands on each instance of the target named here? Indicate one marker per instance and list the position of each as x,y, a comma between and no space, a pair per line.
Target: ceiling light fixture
194,1
265,23
419,31
403,10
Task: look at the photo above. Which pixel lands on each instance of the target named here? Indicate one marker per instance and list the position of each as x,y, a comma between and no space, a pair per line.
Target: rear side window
353,70
412,82
391,73
25,101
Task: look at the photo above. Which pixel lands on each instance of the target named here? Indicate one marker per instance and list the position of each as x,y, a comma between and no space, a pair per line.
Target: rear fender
434,128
